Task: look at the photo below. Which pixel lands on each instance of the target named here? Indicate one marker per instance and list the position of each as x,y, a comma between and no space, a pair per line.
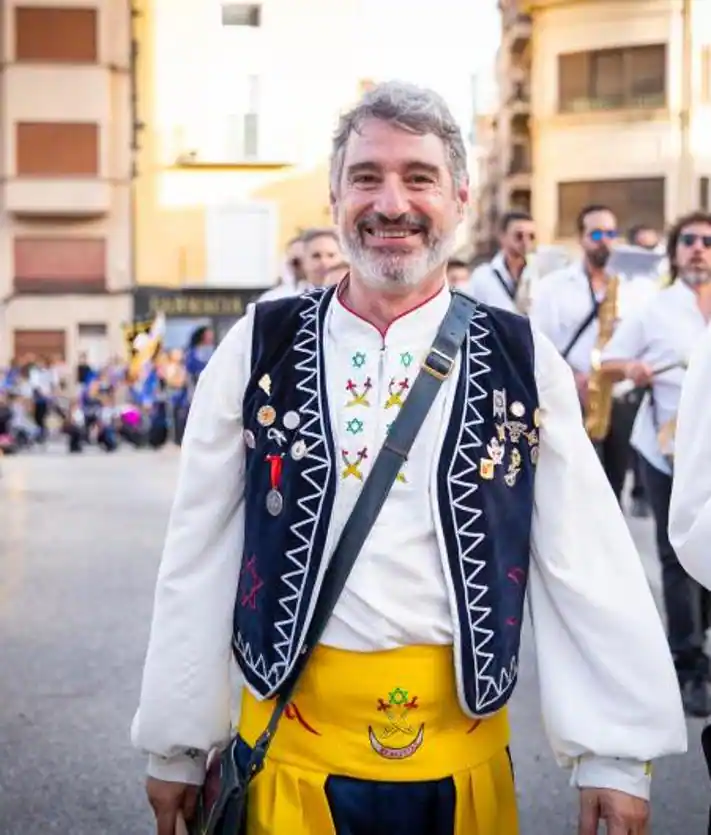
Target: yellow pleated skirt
393,720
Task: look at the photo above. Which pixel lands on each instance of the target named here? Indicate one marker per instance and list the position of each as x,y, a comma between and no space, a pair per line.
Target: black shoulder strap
585,324
511,291
435,369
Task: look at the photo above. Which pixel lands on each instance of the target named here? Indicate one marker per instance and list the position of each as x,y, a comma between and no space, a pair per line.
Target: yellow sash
387,716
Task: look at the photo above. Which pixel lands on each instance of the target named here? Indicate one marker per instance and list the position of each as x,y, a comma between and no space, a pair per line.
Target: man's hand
623,813
167,799
640,373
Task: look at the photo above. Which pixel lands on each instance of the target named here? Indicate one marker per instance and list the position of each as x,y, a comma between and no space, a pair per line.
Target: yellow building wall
169,203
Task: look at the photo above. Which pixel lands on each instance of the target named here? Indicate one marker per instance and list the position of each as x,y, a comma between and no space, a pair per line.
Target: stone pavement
80,540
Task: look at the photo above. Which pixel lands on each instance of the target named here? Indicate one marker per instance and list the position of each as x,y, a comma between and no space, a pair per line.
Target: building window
49,343
241,14
57,149
612,79
632,201
243,128
56,35
59,265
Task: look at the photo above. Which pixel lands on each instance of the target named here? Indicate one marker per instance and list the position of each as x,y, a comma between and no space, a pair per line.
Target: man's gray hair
409,107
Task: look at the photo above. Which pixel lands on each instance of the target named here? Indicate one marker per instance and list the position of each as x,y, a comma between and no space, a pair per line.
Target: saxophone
524,289
599,406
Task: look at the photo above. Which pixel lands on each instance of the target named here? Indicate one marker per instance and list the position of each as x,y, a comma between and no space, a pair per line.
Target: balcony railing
597,104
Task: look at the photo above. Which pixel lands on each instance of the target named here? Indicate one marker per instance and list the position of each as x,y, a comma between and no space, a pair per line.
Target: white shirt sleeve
609,693
628,341
544,314
690,508
185,701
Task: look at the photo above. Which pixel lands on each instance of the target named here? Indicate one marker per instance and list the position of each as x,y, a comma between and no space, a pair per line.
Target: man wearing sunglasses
566,308
652,348
505,282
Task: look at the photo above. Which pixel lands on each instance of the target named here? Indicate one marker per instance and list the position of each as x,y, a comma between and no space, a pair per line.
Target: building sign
194,303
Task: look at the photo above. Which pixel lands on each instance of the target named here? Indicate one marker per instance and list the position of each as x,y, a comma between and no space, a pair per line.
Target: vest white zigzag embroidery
491,685
317,475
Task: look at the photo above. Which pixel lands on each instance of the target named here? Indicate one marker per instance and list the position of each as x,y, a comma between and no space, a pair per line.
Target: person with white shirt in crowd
505,281
458,276
402,705
690,507
651,347
645,237
291,280
320,251
566,308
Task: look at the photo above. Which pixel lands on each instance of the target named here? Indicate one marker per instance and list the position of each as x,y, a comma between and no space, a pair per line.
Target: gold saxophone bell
598,409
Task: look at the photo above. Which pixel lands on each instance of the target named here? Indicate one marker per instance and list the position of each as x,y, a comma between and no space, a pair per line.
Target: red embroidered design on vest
249,598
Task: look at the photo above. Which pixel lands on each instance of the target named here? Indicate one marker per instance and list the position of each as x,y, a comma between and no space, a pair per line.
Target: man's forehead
604,217
381,144
321,242
519,224
698,227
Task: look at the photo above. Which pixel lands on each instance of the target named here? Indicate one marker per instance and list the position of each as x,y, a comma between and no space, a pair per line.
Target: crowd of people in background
102,406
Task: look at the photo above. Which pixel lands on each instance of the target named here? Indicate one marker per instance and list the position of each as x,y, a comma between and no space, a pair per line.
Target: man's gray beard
384,271
695,278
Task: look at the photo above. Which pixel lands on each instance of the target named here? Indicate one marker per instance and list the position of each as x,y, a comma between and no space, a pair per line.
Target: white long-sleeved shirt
608,688
485,284
662,334
690,508
563,301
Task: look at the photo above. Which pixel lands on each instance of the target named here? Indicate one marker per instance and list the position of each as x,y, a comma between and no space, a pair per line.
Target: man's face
519,238
647,239
693,254
599,234
397,208
457,276
320,255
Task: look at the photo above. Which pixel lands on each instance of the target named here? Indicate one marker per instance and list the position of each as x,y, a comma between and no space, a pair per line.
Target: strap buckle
438,364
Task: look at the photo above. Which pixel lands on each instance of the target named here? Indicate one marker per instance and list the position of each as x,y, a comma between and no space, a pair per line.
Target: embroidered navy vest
484,502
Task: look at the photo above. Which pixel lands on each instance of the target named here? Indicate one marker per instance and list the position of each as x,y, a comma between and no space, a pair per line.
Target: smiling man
399,721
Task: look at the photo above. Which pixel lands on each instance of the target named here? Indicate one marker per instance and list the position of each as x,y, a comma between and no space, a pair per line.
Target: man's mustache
376,220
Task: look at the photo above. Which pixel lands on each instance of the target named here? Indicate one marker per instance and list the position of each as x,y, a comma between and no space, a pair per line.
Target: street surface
80,539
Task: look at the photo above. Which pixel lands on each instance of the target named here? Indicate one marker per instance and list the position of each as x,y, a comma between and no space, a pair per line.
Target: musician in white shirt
505,281
690,508
565,307
652,348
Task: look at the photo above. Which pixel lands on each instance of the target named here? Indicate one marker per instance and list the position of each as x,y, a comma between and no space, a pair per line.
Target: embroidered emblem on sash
353,468
359,394
354,426
396,393
398,738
